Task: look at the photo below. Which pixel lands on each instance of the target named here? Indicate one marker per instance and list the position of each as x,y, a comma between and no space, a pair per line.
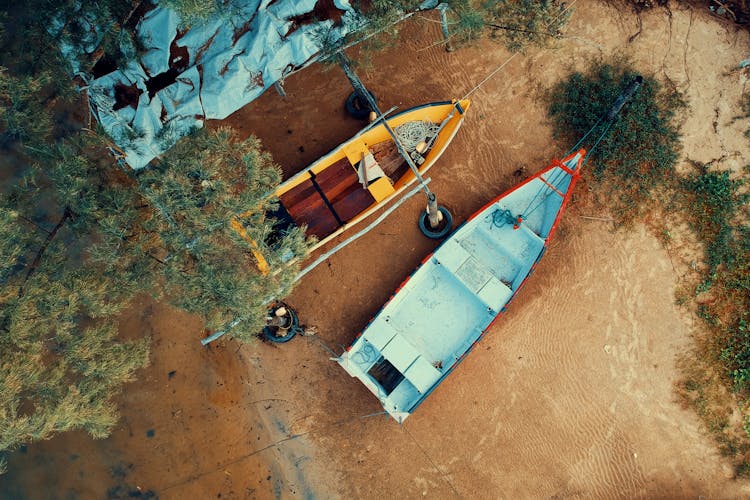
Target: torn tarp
181,78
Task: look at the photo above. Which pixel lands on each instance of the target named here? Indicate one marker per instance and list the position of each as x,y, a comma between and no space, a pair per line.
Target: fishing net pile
411,134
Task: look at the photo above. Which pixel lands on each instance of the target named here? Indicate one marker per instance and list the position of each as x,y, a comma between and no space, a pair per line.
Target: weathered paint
446,305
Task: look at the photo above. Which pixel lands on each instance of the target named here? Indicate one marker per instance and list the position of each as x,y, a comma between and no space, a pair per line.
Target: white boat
444,308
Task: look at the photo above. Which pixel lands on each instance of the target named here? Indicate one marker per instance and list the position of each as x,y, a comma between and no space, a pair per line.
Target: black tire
269,332
442,230
356,108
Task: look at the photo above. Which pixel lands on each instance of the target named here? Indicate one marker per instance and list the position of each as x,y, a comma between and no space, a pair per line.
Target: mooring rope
499,68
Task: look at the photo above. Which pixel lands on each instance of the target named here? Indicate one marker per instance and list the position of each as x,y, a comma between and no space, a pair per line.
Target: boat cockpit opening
386,375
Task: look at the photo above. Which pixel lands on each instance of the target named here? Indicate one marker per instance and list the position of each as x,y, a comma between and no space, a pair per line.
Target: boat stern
382,372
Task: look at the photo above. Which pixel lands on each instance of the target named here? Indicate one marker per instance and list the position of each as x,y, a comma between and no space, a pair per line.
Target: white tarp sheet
208,72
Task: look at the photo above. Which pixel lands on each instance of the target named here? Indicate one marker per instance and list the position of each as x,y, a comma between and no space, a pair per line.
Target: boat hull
328,197
444,308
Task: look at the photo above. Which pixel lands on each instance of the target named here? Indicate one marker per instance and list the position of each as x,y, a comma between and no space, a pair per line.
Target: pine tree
72,255
61,361
521,23
198,188
194,12
22,115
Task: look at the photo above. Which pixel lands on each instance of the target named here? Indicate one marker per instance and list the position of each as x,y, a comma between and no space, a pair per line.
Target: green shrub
713,203
635,155
736,354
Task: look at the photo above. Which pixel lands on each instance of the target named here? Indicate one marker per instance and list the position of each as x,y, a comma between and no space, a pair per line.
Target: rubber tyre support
356,108
424,225
268,332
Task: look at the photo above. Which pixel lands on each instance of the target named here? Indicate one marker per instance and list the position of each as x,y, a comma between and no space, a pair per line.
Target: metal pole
362,92
359,88
443,8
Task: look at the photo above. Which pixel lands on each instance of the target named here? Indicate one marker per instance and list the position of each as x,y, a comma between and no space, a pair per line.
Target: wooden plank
341,187
352,202
357,235
306,206
337,179
389,159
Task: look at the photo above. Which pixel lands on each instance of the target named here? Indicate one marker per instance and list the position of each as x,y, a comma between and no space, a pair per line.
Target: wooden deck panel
311,210
338,180
390,160
352,202
340,184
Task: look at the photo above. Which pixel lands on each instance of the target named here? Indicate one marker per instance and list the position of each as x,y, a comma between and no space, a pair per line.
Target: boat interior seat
409,362
381,188
400,353
422,374
451,255
477,278
356,150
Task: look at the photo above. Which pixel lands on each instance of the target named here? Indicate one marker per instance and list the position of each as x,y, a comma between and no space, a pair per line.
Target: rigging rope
601,136
496,70
582,139
552,182
412,133
560,171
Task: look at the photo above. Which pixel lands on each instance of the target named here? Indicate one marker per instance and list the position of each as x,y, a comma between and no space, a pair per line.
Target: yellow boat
361,175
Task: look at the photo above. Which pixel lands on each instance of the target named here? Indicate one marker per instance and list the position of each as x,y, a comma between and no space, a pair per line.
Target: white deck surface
446,305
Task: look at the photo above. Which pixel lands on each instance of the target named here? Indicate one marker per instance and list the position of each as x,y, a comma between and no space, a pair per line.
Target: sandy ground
570,394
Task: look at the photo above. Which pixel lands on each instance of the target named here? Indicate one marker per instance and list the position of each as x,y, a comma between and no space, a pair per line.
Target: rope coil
415,132
501,217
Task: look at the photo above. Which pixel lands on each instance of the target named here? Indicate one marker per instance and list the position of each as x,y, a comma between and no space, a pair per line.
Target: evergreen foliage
78,238
195,12
200,185
517,23
38,33
469,24
61,362
520,23
637,153
23,118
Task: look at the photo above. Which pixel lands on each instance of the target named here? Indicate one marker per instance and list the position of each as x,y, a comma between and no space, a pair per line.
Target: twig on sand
603,219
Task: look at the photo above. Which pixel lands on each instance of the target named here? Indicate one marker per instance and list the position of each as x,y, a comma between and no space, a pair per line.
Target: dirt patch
570,394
